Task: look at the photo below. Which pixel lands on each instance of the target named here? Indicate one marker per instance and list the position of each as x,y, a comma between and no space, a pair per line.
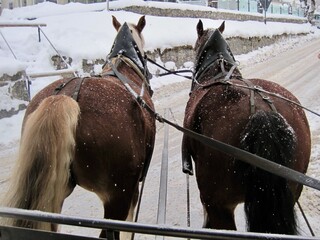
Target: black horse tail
269,203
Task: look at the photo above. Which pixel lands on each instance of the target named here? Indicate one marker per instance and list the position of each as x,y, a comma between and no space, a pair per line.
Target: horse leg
130,217
120,207
219,217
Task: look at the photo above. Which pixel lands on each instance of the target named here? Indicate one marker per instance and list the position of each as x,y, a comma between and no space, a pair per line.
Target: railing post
39,36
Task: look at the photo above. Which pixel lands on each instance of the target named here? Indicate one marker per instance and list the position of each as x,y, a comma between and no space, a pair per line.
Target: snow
85,31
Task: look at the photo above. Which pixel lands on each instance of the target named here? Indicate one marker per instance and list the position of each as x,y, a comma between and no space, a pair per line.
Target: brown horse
88,131
226,107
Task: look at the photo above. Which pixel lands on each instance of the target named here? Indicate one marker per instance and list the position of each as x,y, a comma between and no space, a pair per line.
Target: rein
168,72
245,156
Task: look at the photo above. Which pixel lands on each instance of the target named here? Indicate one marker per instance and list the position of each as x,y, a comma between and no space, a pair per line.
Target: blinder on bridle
215,48
126,49
125,45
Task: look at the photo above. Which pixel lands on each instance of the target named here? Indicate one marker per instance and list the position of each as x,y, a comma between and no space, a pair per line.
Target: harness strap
268,100
252,100
109,73
253,89
139,99
259,89
124,80
75,94
62,85
234,66
226,75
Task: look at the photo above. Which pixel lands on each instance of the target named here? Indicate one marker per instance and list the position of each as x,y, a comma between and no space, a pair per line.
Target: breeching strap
261,90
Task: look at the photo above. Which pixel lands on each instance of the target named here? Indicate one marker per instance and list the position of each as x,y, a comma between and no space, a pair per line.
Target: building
22,3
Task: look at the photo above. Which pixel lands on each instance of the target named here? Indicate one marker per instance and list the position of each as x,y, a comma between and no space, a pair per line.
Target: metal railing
9,233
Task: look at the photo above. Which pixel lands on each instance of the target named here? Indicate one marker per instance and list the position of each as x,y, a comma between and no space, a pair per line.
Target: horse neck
129,70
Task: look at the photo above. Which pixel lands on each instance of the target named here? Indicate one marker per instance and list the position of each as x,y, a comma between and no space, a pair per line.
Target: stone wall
13,88
182,54
208,14
238,46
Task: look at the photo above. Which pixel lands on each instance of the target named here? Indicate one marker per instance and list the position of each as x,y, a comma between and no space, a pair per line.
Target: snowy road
298,69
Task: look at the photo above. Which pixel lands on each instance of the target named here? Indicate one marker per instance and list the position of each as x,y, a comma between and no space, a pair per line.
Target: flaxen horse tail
269,203
47,146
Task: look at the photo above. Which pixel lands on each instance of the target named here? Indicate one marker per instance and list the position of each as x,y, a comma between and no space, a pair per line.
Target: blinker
125,45
214,49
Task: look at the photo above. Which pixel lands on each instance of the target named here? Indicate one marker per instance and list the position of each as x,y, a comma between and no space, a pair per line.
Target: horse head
129,44
212,50
135,29
203,35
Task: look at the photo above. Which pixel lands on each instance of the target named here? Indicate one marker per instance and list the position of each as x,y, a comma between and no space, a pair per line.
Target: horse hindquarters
269,203
43,167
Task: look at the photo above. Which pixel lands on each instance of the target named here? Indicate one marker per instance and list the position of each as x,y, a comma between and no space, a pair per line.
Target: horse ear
115,23
200,28
141,24
221,28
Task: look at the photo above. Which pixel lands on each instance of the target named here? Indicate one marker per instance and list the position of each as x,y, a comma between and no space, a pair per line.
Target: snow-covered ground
85,32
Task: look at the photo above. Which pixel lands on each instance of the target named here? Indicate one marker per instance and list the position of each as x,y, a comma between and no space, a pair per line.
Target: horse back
222,111
114,133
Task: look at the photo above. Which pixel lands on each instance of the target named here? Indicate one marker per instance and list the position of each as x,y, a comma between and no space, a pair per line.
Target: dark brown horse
88,131
226,107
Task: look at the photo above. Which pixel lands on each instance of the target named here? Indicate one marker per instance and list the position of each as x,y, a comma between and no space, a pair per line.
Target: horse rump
269,202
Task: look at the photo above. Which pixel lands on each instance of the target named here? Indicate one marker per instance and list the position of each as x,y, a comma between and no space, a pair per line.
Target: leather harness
124,50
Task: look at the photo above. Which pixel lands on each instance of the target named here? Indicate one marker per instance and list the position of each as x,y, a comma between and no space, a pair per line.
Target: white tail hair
42,172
